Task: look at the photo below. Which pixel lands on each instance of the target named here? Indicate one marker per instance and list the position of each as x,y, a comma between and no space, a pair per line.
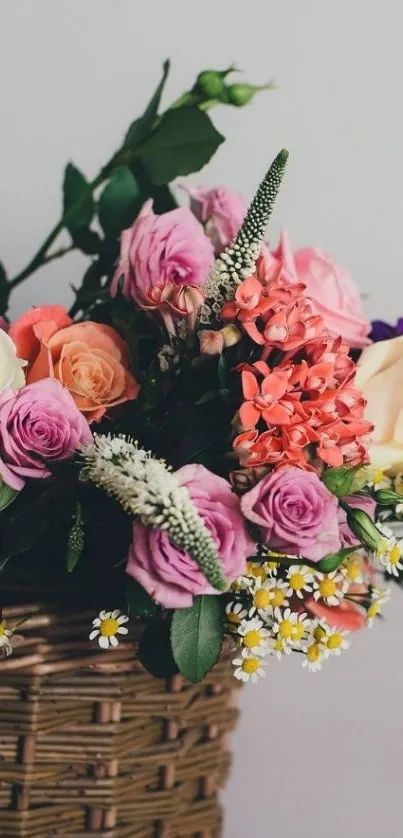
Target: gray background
314,756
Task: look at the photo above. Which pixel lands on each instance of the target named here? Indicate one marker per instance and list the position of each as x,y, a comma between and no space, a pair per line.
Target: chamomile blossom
315,654
253,636
279,647
336,641
106,626
290,626
5,639
379,597
235,612
398,483
389,552
351,571
268,595
300,578
249,667
377,479
327,587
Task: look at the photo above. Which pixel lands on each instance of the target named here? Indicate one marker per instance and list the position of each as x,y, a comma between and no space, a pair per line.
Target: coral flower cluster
300,404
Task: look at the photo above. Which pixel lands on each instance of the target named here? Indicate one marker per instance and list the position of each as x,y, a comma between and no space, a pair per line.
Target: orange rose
89,359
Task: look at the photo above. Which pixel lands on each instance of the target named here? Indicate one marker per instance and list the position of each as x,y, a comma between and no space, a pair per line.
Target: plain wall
314,755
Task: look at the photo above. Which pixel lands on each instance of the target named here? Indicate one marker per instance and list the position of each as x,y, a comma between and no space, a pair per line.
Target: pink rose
295,512
169,574
333,293
38,424
161,252
348,539
220,210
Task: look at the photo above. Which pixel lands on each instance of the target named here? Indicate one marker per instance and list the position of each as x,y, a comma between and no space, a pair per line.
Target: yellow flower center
2,629
297,581
298,631
353,570
313,652
233,618
395,554
271,565
252,638
278,645
277,598
327,588
373,610
319,634
335,641
108,627
378,476
250,665
285,629
261,598
256,570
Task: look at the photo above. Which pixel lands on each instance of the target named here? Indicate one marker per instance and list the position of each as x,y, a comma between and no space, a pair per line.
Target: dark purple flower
385,331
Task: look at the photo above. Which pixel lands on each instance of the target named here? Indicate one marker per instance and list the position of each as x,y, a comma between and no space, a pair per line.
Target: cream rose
380,377
11,367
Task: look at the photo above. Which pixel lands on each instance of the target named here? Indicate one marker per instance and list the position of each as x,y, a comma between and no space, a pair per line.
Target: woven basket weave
90,744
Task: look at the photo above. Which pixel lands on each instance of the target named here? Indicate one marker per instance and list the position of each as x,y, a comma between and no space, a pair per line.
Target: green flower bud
211,83
363,527
344,481
385,497
241,94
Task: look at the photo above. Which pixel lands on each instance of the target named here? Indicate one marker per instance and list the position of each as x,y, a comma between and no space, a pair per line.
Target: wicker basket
90,744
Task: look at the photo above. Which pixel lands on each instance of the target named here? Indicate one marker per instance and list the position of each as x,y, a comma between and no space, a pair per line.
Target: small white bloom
5,639
11,367
254,636
106,626
300,578
267,595
249,667
389,554
235,612
379,597
351,571
315,654
279,647
336,641
328,586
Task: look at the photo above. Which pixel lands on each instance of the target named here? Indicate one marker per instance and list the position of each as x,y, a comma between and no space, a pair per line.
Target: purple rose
348,539
221,210
168,573
296,513
38,424
160,254
384,331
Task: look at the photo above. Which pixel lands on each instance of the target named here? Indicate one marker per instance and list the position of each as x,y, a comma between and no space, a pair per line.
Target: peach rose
380,377
89,359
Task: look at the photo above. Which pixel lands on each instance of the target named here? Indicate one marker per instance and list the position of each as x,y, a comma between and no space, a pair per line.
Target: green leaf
344,481
139,603
87,240
183,142
222,371
77,200
7,496
155,651
119,202
196,637
141,127
75,543
332,561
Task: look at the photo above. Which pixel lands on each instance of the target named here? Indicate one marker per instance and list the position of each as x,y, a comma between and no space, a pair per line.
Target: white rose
11,367
380,377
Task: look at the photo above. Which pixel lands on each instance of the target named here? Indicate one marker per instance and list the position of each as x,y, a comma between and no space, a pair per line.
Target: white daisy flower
315,654
254,636
327,587
389,553
268,595
249,667
5,639
379,597
106,626
235,612
300,578
377,479
336,641
279,647
289,625
351,571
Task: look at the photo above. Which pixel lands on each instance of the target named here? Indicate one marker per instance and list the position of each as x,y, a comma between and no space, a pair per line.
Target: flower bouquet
184,453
